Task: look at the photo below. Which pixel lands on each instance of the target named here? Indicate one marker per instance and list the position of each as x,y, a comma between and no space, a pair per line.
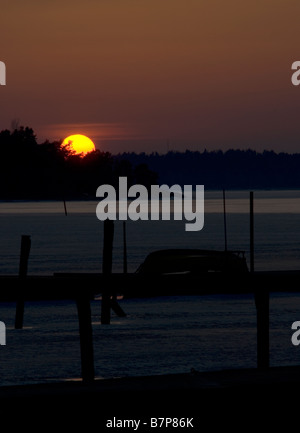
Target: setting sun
80,144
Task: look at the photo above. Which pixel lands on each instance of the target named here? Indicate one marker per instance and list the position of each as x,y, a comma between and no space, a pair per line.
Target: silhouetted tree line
50,171
233,169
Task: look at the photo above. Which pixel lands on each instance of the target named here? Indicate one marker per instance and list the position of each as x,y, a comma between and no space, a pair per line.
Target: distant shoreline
95,199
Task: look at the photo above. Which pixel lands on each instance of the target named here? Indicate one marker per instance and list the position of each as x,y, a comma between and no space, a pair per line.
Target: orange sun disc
79,144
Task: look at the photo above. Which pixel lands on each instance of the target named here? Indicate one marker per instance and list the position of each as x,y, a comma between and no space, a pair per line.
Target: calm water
158,336
74,242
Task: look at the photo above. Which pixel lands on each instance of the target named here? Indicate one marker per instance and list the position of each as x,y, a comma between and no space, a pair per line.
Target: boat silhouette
193,261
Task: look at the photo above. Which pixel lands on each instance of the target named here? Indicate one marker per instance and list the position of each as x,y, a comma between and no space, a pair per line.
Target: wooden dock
83,287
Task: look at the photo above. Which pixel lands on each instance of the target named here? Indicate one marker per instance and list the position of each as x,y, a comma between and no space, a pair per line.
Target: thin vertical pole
263,337
24,255
225,225
86,338
23,266
261,295
107,246
106,269
251,233
65,208
124,249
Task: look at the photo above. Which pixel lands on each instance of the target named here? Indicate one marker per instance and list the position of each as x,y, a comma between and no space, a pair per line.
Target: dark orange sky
153,75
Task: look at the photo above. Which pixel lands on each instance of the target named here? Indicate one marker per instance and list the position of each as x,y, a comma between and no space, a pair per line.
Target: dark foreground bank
236,399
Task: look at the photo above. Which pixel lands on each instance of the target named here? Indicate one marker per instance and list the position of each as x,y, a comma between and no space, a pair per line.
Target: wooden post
251,233
124,248
106,269
224,216
65,208
261,296
262,314
107,246
23,266
86,338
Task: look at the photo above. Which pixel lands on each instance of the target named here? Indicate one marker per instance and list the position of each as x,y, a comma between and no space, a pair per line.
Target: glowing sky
153,75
